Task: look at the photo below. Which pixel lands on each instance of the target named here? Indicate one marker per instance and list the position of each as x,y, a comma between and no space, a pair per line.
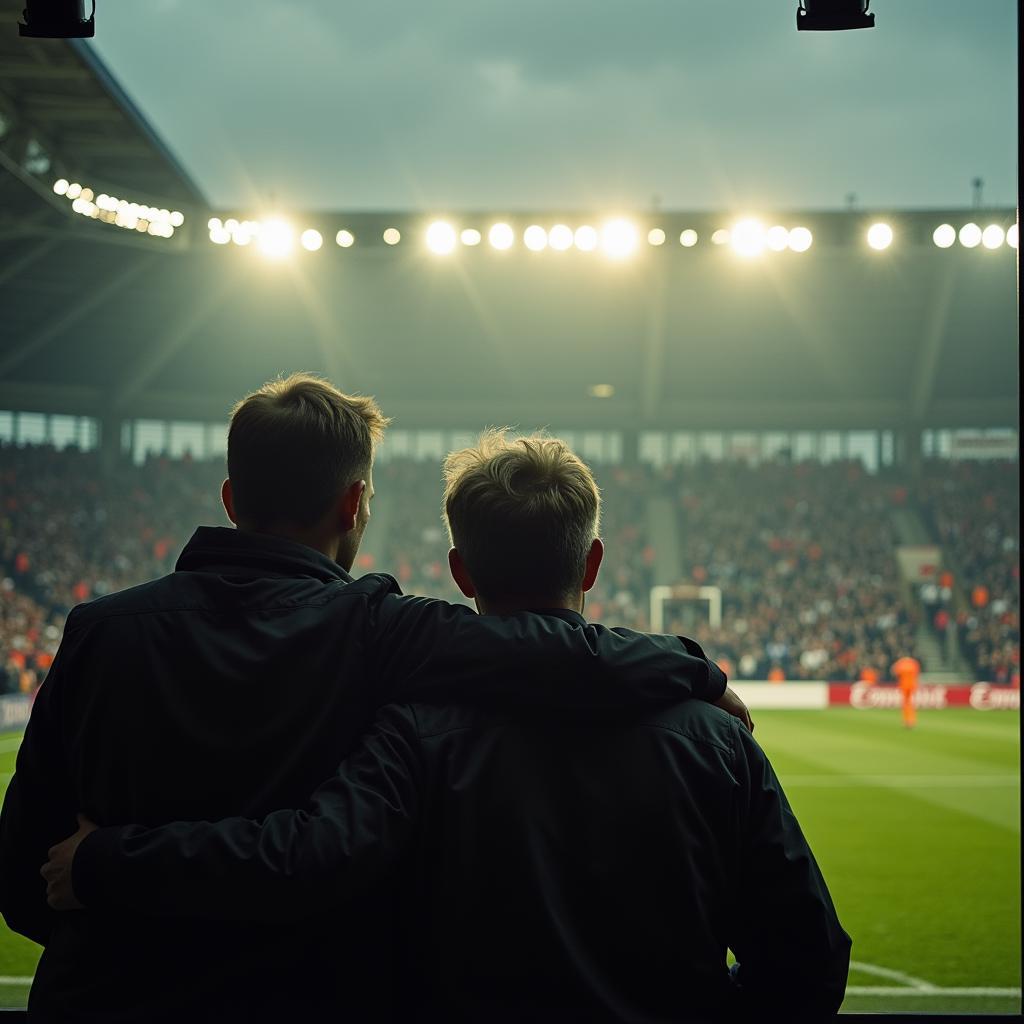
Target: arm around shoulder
290,865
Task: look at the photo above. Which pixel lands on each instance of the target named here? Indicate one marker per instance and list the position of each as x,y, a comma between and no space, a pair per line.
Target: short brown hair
523,513
295,445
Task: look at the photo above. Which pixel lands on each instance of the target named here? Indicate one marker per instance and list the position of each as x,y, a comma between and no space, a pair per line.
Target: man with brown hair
237,683
560,864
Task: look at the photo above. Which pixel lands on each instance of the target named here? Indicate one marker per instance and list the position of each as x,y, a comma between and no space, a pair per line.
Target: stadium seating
803,553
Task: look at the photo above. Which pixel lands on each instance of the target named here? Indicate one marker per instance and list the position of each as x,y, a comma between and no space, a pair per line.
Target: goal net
687,602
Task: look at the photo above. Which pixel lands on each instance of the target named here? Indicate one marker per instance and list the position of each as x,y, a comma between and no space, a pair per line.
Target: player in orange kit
906,670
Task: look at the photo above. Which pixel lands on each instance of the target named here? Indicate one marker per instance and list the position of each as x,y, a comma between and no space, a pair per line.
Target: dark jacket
556,865
234,686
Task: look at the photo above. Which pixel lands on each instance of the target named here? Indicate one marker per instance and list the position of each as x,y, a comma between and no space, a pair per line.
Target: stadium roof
100,320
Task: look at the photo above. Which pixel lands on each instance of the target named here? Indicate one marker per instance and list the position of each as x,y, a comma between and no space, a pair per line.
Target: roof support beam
156,355
25,260
72,315
931,345
653,367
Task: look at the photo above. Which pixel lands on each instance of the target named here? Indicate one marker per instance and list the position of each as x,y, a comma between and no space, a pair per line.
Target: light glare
720,237
688,238
970,235
585,238
800,239
470,236
880,236
560,237
1011,236
441,237
747,238
992,237
618,239
656,236
944,236
501,236
535,238
392,236
311,240
61,185
345,238
276,239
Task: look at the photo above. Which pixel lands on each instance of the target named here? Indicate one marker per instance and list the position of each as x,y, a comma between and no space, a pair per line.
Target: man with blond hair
238,682
557,864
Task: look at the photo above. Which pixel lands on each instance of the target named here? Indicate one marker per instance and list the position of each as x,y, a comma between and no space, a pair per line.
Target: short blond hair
523,513
295,445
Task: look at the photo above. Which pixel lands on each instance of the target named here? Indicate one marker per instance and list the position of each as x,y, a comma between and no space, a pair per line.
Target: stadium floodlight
618,239
501,236
275,238
944,236
441,238
560,237
219,235
535,238
970,235
602,390
800,239
585,238
777,238
879,236
392,236
58,19
311,240
61,186
748,237
74,190
655,237
688,238
833,15
1011,236
992,237
470,236
345,239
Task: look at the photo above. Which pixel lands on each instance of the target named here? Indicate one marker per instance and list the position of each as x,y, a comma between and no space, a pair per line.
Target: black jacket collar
220,549
565,614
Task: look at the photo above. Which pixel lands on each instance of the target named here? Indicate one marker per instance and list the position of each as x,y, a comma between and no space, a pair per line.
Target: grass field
917,833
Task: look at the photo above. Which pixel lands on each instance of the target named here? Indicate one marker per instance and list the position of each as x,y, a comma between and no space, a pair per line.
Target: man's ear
594,557
348,507
227,496
459,574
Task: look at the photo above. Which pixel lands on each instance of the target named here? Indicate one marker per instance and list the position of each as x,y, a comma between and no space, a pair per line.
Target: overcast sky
520,104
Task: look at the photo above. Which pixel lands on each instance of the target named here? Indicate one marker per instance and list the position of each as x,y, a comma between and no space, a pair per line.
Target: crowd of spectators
973,510
67,534
804,554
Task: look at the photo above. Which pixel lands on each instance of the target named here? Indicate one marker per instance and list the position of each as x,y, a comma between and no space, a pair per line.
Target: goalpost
685,592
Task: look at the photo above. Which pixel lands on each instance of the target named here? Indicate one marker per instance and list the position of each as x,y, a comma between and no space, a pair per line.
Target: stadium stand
804,553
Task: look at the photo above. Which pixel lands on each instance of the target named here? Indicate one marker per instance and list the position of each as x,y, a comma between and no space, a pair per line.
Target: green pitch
917,833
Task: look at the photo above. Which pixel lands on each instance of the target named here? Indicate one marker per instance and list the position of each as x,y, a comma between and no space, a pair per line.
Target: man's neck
513,607
325,547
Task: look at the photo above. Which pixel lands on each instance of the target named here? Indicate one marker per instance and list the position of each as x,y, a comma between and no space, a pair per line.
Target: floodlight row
972,235
150,220
617,239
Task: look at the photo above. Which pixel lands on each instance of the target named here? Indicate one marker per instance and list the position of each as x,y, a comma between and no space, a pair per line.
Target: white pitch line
887,972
